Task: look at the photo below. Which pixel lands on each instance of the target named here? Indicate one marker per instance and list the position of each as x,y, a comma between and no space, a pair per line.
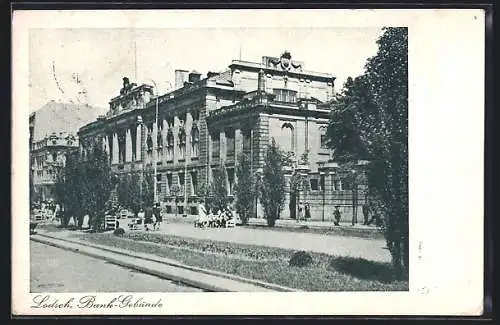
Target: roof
62,117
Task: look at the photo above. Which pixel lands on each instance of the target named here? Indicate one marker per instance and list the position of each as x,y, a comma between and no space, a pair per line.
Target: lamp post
141,130
155,147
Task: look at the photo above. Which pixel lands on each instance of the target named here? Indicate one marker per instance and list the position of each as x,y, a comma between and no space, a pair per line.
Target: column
238,143
116,152
223,145
138,143
128,146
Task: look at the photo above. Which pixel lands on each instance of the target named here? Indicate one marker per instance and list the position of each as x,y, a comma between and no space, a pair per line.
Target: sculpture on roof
127,86
285,62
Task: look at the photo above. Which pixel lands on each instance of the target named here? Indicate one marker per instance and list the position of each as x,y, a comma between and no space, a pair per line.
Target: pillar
138,142
128,146
238,140
223,145
115,149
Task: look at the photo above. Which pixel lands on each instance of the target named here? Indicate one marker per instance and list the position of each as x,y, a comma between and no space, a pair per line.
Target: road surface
57,270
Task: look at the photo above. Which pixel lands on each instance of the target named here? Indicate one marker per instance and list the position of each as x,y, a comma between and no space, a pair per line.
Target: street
57,270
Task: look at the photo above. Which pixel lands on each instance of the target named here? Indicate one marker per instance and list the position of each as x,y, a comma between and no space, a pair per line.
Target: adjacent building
205,122
53,131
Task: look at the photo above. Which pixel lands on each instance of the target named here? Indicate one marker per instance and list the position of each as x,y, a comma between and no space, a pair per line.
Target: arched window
170,145
182,143
287,142
195,141
323,138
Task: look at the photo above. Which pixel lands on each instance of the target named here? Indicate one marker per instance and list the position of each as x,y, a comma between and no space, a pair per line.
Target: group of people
221,219
151,218
46,209
366,216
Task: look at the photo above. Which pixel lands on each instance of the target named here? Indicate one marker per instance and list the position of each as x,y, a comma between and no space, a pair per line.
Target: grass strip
325,273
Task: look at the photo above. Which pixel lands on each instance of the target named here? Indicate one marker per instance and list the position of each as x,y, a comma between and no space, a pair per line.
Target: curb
189,282
165,261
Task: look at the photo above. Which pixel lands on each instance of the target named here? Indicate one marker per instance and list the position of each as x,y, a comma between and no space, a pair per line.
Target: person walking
301,211
157,216
202,215
307,209
366,214
337,216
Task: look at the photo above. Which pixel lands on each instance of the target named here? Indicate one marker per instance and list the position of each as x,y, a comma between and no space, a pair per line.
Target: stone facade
48,157
209,121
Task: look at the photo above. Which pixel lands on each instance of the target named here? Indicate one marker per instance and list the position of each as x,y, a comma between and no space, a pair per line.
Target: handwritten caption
93,302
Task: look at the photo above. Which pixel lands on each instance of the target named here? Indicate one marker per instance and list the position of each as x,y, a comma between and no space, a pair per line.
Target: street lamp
141,130
155,149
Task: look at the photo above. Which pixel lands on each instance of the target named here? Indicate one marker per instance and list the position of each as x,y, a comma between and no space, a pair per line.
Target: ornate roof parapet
284,63
131,97
57,139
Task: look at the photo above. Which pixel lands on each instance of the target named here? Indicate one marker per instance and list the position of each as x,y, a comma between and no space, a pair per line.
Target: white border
446,71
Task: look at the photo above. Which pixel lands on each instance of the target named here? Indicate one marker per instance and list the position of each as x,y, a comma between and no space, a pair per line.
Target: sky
66,62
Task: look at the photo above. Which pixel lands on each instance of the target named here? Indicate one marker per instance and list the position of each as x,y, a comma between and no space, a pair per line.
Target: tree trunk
271,221
396,258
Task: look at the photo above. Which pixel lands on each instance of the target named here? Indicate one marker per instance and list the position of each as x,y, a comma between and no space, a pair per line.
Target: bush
119,232
300,259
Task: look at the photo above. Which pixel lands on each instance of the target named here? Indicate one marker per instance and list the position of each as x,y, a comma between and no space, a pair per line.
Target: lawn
325,273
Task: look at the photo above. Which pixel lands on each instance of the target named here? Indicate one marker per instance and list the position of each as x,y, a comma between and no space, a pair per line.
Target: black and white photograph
196,160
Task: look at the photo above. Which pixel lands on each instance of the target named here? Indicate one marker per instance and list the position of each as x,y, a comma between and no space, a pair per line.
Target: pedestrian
157,216
301,211
337,216
366,214
202,215
307,211
153,221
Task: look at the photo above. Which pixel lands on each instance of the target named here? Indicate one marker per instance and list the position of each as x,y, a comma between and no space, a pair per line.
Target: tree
147,190
129,192
273,183
123,191
68,189
134,196
96,185
245,188
218,189
370,121
204,192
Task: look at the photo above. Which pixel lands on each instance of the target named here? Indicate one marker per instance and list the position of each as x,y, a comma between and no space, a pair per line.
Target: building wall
297,125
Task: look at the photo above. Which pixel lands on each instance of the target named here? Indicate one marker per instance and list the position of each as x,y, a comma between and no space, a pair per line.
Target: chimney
194,76
181,76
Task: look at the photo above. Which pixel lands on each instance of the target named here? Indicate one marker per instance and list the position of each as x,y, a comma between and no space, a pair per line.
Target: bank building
208,121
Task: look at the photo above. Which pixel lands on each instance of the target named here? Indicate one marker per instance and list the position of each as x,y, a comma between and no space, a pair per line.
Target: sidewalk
290,223
162,267
371,249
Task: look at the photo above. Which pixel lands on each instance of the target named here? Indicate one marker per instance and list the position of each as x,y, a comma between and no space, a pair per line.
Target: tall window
323,137
194,182
215,145
287,137
285,95
336,185
181,182
195,141
169,182
230,143
170,145
182,144
230,180
247,140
